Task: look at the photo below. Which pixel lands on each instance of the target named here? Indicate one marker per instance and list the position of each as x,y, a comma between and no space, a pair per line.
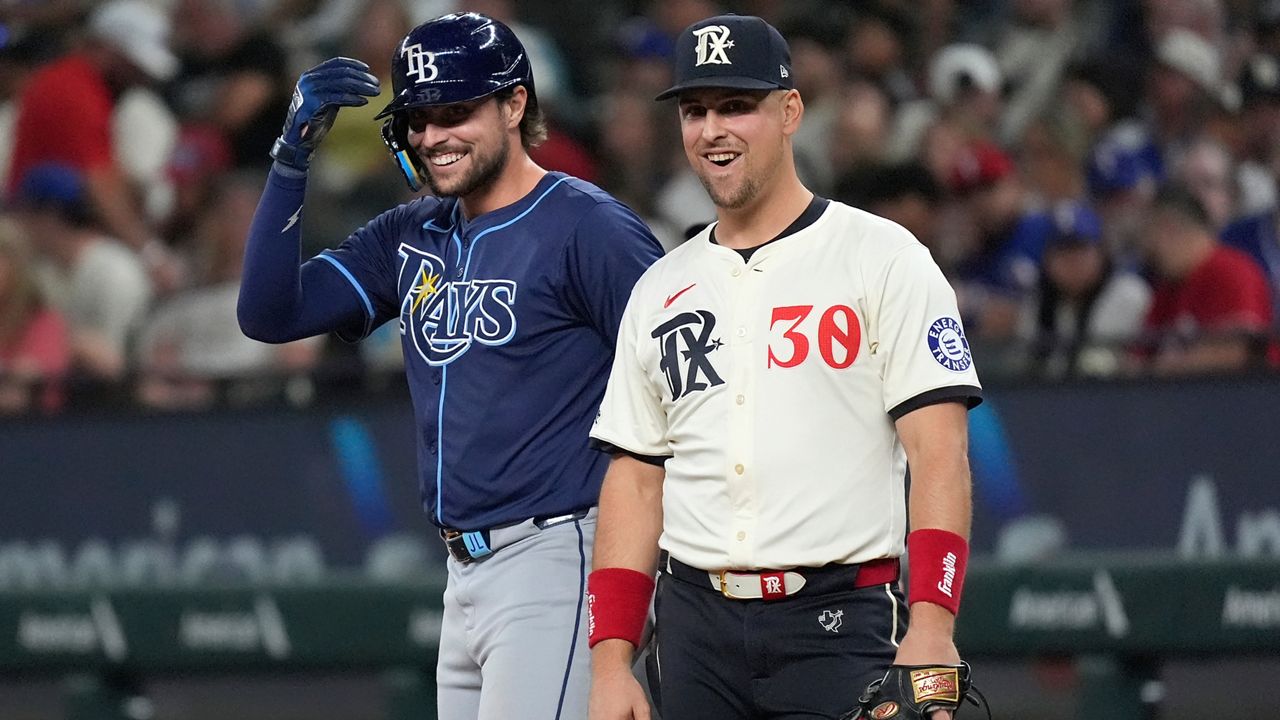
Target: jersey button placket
739,455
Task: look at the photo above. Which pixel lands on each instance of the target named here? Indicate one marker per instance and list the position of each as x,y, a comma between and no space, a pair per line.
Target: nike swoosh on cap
672,298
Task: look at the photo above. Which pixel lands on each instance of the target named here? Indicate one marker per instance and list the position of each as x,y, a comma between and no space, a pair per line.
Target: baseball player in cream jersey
774,378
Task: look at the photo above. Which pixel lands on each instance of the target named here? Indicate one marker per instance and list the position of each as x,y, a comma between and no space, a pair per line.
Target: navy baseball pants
803,657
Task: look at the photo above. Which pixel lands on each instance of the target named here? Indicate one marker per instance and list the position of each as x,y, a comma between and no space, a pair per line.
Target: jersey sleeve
631,417
370,263
917,330
610,249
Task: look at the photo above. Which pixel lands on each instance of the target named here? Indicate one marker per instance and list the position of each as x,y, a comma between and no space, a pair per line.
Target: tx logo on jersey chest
443,318
686,345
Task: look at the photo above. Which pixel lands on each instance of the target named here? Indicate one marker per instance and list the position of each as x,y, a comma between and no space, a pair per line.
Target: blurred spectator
1033,53
1052,153
1266,27
876,49
859,134
192,341
1002,267
45,21
17,60
1085,308
314,30
672,16
144,134
1208,171
964,92
906,194
234,76
1125,171
644,57
65,116
815,42
1259,150
1186,90
200,158
35,348
1100,94
1258,236
98,284
1212,309
1204,18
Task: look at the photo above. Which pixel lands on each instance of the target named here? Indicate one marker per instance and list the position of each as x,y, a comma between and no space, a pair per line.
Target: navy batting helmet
456,58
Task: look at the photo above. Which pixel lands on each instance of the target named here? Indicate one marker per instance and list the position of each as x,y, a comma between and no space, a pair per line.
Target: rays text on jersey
444,318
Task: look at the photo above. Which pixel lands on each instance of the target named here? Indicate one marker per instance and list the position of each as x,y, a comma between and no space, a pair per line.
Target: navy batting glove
320,91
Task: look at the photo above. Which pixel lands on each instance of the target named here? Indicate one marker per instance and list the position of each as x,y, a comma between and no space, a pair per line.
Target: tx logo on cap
713,41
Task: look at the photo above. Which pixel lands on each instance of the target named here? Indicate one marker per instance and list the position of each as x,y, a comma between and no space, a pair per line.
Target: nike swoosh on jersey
431,225
672,298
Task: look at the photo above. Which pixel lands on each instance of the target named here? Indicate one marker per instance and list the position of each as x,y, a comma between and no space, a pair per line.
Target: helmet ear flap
395,134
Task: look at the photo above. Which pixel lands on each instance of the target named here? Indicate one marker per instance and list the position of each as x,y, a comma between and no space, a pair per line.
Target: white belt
753,586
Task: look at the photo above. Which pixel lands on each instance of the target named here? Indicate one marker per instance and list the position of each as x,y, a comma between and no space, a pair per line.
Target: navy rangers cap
731,51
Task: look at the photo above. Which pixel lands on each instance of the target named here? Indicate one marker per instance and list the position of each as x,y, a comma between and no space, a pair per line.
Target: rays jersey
508,323
772,385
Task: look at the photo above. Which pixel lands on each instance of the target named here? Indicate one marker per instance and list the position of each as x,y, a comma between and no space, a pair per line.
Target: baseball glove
912,692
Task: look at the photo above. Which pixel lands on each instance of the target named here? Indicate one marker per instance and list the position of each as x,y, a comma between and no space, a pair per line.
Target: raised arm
282,299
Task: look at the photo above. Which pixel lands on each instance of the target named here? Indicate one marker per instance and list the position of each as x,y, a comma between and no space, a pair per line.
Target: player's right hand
616,695
320,91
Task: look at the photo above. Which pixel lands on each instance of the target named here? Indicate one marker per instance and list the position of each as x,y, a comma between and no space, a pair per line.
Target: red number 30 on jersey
839,336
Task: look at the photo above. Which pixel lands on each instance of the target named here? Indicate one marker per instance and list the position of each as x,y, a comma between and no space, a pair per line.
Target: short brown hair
533,126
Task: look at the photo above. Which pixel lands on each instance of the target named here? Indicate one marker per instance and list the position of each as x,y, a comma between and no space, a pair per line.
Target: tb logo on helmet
713,41
421,63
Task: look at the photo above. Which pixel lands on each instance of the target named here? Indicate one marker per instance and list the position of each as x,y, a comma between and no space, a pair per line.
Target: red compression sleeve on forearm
938,559
617,604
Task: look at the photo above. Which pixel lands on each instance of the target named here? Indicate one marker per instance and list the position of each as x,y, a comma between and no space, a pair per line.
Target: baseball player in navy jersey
508,285
774,378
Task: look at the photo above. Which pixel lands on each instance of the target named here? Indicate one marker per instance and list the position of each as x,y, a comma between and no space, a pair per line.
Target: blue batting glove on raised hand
320,91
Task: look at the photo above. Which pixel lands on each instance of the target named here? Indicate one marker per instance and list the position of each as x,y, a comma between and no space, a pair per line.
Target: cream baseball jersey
772,386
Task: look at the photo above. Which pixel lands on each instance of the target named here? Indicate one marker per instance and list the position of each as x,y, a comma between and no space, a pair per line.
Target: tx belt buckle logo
713,42
421,63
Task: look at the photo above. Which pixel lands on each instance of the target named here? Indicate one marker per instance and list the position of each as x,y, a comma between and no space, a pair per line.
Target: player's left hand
928,642
334,83
915,692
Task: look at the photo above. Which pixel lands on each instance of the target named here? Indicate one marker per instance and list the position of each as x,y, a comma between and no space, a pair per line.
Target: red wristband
617,604
937,563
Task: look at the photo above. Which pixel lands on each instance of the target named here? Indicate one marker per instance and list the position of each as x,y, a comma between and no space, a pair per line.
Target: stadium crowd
1098,178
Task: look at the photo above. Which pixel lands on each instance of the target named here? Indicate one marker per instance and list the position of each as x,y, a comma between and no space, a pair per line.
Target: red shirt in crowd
1228,291
64,116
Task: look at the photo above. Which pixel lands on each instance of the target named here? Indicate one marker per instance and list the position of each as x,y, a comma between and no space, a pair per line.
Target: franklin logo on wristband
938,558
948,574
